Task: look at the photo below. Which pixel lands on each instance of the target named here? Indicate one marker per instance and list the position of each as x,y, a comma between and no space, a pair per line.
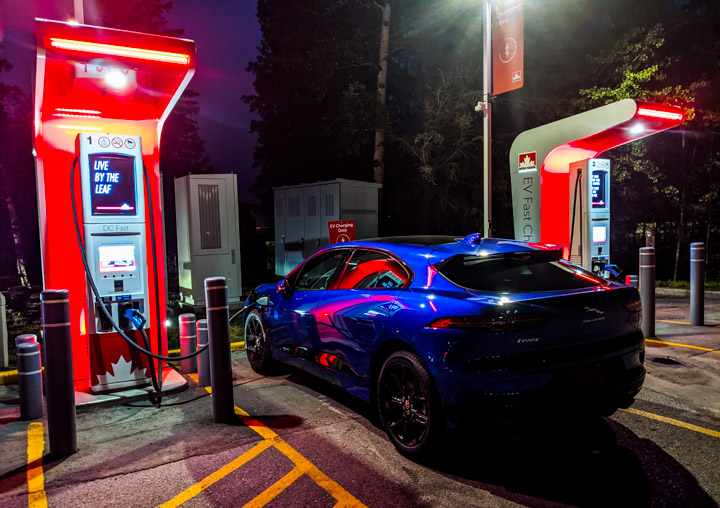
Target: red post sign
507,46
341,231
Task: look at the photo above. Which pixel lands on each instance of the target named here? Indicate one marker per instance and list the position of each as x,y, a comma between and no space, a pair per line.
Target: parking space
298,442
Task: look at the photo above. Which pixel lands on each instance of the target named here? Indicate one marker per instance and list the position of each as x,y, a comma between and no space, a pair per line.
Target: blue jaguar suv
439,331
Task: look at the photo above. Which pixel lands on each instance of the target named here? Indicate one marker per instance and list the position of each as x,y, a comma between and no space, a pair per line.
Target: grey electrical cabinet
208,235
302,213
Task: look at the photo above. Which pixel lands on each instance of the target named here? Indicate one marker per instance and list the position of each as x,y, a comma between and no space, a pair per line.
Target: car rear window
516,272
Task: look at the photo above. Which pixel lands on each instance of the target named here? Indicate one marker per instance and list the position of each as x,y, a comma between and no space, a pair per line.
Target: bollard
647,290
188,342
632,281
29,377
204,357
60,392
697,284
218,321
4,357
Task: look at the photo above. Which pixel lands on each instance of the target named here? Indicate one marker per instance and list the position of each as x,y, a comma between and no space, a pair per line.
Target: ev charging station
101,98
561,190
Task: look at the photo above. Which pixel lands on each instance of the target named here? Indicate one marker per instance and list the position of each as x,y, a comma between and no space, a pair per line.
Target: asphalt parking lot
297,442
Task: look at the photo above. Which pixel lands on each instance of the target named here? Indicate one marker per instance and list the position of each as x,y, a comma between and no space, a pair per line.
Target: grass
711,285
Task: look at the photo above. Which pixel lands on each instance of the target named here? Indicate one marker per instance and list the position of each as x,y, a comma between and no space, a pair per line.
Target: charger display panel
113,186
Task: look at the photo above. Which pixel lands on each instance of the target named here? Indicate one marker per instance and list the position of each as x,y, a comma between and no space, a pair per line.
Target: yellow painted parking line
672,421
275,489
681,322
221,473
682,345
35,475
270,438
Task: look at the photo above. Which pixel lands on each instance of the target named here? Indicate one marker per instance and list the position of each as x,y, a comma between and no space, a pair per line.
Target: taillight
509,321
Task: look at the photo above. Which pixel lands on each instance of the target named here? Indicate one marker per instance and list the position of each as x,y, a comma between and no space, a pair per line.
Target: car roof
421,250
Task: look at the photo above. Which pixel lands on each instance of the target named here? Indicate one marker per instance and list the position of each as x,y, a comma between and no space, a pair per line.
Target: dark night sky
226,33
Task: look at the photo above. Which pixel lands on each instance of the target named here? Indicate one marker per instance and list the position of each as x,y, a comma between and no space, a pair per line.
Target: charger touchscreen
116,258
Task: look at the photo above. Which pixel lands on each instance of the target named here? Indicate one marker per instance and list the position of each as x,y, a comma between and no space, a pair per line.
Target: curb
10,377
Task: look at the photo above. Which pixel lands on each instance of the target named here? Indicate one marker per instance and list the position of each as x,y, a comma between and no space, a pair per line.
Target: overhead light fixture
126,51
116,79
658,113
637,129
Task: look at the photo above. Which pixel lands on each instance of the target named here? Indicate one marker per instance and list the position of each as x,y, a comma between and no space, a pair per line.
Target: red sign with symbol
341,231
507,46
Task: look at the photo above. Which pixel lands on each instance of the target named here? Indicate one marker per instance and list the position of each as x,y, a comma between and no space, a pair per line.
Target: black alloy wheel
408,404
257,346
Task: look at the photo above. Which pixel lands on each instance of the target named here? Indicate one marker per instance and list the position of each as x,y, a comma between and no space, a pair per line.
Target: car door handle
365,321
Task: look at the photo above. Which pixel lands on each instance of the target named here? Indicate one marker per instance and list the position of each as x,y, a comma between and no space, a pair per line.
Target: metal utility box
302,213
208,235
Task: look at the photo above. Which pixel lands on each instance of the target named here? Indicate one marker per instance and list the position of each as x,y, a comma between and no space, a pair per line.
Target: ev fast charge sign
341,231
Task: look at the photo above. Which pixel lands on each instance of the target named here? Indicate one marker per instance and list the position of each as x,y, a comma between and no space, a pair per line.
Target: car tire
257,345
409,405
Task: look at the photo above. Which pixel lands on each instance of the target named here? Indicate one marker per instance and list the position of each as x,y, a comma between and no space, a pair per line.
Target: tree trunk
17,240
679,229
380,107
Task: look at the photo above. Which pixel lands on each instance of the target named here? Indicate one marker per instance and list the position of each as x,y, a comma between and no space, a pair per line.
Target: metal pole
218,320
647,290
4,356
60,391
697,284
204,357
29,377
487,92
188,342
79,11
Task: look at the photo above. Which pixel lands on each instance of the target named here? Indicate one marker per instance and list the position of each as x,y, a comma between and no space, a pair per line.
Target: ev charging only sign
341,231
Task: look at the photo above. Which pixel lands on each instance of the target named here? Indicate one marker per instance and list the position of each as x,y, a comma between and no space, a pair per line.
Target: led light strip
79,128
654,113
109,49
69,115
79,111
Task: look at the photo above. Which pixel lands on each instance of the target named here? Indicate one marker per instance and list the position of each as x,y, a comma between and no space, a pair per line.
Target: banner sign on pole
507,45
341,231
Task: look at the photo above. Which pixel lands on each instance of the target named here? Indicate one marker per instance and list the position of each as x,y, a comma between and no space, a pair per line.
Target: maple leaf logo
527,161
121,372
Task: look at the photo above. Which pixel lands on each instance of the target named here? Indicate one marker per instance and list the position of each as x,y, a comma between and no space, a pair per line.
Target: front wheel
257,345
408,404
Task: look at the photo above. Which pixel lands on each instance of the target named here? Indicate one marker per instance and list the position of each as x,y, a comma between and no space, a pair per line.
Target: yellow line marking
672,421
35,475
275,489
218,475
681,323
270,438
682,345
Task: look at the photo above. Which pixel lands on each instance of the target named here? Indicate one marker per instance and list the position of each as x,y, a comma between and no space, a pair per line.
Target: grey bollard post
188,342
697,284
632,281
4,356
204,357
29,377
218,320
647,290
60,392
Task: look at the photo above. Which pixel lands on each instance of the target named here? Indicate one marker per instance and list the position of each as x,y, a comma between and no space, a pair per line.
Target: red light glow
656,113
111,49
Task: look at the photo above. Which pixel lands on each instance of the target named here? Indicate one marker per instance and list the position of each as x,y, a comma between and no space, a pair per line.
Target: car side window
372,269
318,272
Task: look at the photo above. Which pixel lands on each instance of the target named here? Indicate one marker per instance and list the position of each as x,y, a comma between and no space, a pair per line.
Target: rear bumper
595,384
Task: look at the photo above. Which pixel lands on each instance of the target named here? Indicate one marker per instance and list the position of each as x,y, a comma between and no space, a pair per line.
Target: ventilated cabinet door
208,203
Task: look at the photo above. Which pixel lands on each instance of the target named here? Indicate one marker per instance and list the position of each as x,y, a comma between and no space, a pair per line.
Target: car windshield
516,272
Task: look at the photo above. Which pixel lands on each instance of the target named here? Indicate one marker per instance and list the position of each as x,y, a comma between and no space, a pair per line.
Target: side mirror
262,301
283,286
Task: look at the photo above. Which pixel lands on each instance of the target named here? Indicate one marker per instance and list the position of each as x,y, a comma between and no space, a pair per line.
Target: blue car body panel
583,336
